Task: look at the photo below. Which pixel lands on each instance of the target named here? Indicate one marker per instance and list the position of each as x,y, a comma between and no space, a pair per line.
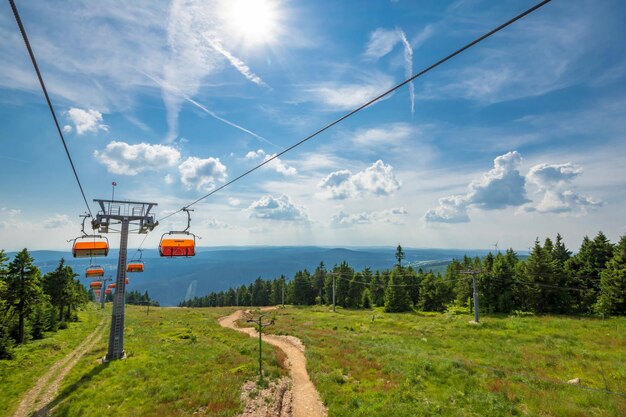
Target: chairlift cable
45,92
370,102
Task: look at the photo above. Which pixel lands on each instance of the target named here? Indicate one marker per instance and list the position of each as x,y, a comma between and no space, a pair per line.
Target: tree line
32,304
550,280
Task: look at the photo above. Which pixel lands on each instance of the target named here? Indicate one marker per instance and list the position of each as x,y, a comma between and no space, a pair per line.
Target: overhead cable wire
45,92
370,102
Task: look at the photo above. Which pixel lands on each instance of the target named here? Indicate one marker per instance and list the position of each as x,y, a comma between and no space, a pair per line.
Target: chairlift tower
123,213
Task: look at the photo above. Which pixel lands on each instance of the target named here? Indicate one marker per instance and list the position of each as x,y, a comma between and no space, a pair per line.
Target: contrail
408,65
176,90
235,62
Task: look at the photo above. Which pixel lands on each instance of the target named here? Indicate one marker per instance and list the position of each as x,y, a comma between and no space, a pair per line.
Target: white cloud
566,201
408,66
392,216
124,159
277,208
215,224
276,164
255,154
202,174
67,129
86,121
501,187
238,64
10,212
234,201
554,181
168,179
452,209
382,41
387,136
57,221
378,179
345,96
547,176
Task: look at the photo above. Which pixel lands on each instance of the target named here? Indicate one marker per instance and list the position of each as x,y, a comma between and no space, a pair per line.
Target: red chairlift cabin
95,284
97,293
107,291
182,245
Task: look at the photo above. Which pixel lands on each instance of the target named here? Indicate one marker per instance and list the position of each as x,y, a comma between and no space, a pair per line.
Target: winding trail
306,399
37,399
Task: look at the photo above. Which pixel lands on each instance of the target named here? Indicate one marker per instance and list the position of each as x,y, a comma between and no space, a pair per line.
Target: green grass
440,365
33,359
180,362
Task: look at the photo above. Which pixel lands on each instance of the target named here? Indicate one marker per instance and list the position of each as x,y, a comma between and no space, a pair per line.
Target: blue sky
518,138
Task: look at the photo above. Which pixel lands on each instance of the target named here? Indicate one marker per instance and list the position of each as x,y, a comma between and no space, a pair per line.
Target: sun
254,21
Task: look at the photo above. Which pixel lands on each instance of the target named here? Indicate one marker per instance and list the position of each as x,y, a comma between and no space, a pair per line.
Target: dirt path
37,399
306,400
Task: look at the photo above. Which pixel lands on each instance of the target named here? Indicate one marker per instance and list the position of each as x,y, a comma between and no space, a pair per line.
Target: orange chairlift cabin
94,271
113,285
182,245
89,246
95,285
97,293
135,265
107,291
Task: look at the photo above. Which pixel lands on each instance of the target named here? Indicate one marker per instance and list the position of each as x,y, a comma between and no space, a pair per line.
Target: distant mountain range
171,280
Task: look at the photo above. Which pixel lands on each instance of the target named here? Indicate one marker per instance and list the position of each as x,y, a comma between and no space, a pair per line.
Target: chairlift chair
107,291
179,243
136,265
94,271
95,285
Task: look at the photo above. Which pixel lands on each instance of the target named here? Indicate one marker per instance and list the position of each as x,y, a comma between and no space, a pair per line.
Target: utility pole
283,293
124,213
475,291
260,326
334,280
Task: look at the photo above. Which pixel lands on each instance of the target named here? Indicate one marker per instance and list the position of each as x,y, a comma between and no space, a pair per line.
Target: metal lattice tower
123,213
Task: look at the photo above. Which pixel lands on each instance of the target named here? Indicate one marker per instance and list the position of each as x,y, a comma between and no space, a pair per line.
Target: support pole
116,335
475,297
283,293
334,278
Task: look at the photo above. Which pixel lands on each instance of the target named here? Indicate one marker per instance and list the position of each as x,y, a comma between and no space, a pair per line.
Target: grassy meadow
368,363
180,362
364,363
34,359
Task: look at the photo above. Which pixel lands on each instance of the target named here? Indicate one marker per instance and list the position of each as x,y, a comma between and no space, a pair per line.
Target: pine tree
23,289
396,297
366,299
585,268
399,256
6,343
612,299
58,286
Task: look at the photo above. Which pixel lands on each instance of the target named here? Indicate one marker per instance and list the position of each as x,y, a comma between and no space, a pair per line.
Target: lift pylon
125,214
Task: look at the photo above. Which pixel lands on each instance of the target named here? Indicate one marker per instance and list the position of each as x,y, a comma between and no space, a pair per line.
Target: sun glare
255,21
